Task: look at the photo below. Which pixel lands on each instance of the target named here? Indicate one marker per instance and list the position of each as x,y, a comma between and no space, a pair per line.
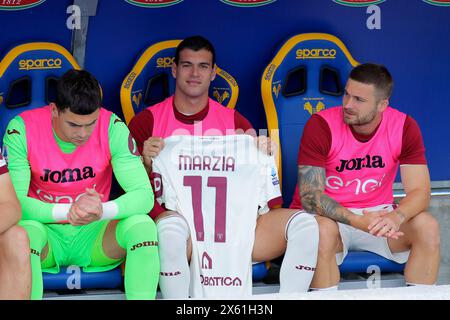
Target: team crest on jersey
153,3
358,3
157,185
19,4
440,3
247,3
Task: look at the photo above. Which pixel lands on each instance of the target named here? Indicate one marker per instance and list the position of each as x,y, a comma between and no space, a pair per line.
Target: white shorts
356,240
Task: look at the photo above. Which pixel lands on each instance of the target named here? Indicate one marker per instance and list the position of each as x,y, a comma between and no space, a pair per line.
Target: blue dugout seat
363,261
150,81
71,277
28,77
308,74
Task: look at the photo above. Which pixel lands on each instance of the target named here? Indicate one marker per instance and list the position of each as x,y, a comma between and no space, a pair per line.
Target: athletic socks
137,234
174,280
300,258
333,288
38,239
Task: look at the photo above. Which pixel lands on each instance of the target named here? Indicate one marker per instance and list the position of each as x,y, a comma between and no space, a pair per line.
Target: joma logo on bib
67,175
359,163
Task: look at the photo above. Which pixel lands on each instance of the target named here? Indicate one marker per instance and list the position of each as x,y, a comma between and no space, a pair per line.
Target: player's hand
151,148
87,208
78,217
385,224
266,145
91,202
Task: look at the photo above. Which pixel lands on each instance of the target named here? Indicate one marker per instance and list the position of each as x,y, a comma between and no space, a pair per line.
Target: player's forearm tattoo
311,186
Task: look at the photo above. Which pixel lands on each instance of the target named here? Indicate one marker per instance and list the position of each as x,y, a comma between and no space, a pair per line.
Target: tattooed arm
311,182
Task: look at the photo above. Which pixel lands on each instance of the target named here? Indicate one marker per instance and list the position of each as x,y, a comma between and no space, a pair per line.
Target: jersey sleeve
315,142
413,149
242,125
15,142
164,193
141,127
270,193
129,172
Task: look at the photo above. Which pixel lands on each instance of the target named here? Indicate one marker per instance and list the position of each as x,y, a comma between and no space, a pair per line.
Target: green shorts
77,245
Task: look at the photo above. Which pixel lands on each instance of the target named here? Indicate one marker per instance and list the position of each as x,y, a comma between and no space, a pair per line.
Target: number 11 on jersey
220,184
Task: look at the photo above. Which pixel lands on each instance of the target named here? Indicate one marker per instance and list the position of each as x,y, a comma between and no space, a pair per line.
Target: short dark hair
377,75
78,91
195,43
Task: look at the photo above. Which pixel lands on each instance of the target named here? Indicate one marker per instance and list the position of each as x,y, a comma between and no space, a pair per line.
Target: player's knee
27,224
328,236
426,230
15,244
166,214
173,223
33,228
126,224
304,225
37,234
135,228
173,234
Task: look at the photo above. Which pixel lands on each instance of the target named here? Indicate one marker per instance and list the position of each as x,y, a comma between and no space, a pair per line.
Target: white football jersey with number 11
219,184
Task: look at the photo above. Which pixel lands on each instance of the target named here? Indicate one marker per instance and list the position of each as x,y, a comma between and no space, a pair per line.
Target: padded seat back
307,74
28,78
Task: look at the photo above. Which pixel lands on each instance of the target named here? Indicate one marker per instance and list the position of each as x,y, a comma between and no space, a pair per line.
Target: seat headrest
28,77
307,74
150,81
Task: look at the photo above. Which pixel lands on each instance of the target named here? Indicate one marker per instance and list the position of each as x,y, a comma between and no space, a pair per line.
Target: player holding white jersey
279,231
219,184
